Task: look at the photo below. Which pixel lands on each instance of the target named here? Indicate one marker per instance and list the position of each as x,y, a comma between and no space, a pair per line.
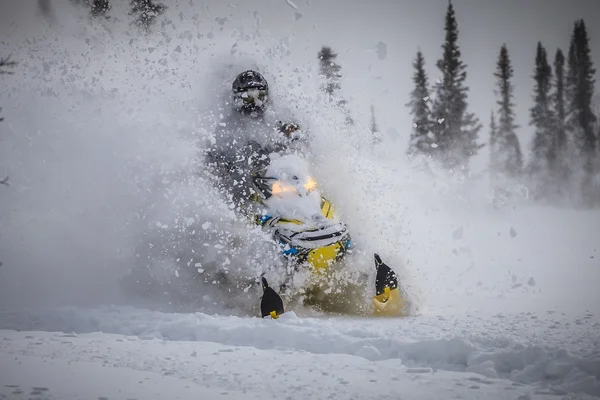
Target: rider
244,139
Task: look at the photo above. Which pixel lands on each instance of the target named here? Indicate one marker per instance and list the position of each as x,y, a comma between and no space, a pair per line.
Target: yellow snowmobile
310,234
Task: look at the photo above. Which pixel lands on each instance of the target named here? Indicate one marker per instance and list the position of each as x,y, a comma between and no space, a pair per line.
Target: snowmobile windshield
286,177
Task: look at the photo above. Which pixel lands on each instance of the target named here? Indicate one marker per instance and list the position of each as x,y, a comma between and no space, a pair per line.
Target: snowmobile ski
388,300
271,303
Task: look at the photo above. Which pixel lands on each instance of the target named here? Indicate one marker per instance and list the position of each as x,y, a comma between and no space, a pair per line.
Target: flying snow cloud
103,137
103,142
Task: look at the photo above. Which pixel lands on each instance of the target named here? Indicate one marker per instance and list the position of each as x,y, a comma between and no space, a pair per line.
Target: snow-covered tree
456,130
45,8
494,167
421,139
579,93
332,73
146,12
558,161
542,118
374,127
5,69
330,70
98,8
506,148
6,64
596,109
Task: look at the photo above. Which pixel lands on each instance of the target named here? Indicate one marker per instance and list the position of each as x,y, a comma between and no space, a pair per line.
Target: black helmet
250,92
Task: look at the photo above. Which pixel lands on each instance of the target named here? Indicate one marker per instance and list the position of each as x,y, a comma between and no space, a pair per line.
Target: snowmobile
310,234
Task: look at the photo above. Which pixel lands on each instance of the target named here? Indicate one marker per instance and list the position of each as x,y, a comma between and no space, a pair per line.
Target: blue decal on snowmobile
286,249
265,218
290,251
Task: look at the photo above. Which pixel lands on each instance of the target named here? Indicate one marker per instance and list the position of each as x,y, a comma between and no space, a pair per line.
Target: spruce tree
98,8
5,65
330,70
542,118
456,130
580,81
5,69
45,7
332,73
494,167
508,150
558,162
374,127
421,139
146,12
596,109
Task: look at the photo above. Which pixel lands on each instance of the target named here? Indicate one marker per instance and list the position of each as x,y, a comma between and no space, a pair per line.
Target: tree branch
6,63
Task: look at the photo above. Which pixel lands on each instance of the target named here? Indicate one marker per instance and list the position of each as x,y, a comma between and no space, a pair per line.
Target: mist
103,137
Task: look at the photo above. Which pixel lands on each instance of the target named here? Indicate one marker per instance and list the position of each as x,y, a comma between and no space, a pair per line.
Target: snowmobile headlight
310,184
280,188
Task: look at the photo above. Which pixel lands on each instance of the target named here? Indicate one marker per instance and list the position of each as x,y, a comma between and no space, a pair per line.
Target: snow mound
154,368
567,359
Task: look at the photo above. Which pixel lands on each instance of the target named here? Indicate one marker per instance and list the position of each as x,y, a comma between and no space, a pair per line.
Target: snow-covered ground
118,352
425,357
99,141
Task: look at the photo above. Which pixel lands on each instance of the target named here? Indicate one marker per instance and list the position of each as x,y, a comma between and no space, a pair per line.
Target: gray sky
354,27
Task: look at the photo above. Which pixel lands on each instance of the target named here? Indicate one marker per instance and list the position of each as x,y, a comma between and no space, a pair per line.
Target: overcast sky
354,27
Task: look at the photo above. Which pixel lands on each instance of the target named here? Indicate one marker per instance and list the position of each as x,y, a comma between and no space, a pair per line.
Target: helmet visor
253,96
